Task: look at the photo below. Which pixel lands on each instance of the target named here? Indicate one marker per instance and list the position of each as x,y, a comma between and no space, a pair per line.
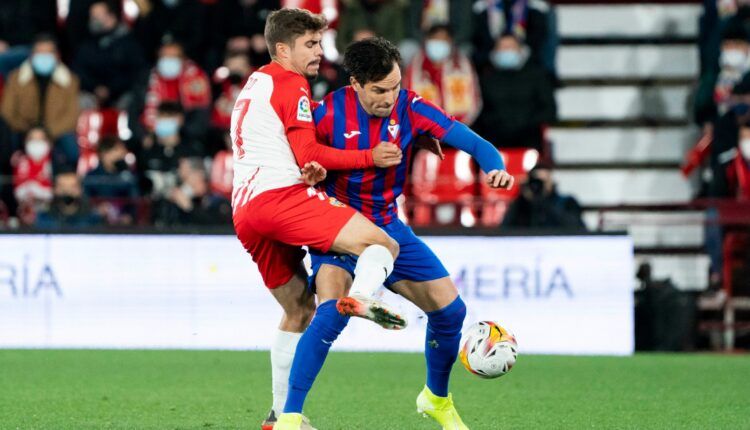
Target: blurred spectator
32,174
177,79
20,21
180,20
725,134
387,18
332,75
110,62
443,75
540,205
456,14
732,180
112,187
192,202
112,178
229,81
518,98
69,208
76,23
239,28
525,19
163,149
715,87
43,91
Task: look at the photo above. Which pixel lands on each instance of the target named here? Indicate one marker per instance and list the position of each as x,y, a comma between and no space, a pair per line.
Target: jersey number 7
242,106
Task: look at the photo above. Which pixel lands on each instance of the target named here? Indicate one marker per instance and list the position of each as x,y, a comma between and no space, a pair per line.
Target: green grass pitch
81,389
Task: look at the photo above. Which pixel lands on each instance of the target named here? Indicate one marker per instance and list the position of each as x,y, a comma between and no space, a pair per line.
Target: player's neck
286,65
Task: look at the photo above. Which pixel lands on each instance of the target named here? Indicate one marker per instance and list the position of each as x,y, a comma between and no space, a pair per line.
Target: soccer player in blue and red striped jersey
374,109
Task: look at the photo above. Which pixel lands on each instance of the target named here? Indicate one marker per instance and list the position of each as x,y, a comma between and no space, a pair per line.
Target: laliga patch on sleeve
303,110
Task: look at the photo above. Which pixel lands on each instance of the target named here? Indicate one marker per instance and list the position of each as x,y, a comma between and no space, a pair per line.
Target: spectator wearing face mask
20,22
68,209
518,98
111,61
32,172
715,87
527,20
162,150
43,91
177,79
443,75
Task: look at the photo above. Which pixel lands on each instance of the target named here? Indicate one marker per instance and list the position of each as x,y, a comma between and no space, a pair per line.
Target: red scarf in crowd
453,85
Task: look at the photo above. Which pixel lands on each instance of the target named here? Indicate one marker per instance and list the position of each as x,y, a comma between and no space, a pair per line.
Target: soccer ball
488,350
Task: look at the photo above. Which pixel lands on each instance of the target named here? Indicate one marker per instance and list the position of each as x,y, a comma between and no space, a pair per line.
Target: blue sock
441,344
312,350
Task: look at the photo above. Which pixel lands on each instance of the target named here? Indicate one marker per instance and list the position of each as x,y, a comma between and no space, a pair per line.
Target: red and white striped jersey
273,101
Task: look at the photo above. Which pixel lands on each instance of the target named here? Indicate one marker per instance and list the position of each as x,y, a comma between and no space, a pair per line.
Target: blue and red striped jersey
341,122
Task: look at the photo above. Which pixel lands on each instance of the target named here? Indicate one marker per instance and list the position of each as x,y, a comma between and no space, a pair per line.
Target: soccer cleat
292,421
374,310
268,423
440,409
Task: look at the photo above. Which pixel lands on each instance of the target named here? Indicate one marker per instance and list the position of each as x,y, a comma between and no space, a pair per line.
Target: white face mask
437,50
37,149
745,148
734,58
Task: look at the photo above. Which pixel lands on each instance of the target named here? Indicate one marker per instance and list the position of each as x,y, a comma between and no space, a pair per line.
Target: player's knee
450,319
390,244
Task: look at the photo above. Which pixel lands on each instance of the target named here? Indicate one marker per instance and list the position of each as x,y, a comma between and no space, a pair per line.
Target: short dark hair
437,28
169,108
285,25
735,30
112,7
107,143
371,60
44,38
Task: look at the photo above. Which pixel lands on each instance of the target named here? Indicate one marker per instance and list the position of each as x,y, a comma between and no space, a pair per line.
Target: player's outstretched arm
306,150
462,137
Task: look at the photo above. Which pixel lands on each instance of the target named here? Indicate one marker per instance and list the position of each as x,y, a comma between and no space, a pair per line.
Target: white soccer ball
488,350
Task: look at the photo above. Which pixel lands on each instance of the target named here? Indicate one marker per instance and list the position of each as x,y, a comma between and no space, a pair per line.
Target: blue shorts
415,262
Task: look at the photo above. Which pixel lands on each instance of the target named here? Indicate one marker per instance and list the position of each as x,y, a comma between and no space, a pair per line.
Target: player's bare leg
299,306
445,312
377,252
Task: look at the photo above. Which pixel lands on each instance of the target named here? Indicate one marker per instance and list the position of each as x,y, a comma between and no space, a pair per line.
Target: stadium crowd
117,112
722,110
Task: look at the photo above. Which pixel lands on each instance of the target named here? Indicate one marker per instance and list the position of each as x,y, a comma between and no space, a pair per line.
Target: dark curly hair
285,25
370,60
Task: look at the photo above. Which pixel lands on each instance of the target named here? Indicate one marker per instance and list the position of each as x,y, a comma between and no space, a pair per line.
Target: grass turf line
82,389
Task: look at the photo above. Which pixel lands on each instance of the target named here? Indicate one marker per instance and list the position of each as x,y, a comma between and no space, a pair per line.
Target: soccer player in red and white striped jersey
276,211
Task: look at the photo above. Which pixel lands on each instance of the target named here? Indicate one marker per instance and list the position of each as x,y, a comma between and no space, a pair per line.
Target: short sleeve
291,101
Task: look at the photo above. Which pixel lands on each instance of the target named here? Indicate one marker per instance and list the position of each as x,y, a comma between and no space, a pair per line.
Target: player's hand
386,154
500,179
431,144
312,173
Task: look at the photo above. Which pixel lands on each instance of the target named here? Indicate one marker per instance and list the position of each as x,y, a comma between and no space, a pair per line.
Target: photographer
540,206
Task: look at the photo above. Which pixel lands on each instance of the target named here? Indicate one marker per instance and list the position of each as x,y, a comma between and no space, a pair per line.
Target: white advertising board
559,295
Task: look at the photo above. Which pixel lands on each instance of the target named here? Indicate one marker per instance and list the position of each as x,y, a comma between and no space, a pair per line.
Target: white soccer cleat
371,309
